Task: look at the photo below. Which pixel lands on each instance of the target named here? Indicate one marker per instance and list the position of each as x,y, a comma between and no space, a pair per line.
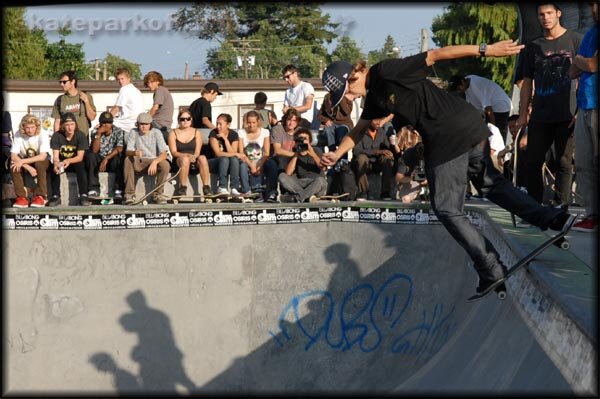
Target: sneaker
260,199
54,201
129,199
206,190
222,190
288,198
92,193
84,200
118,195
361,197
489,276
386,197
21,202
38,202
272,197
587,225
235,192
181,191
159,199
559,221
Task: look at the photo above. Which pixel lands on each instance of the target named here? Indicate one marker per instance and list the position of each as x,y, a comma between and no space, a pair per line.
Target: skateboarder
455,138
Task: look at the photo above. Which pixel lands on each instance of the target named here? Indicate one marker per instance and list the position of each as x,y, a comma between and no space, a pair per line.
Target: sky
139,32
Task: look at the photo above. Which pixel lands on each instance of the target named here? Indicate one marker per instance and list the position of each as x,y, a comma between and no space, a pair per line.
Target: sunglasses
185,119
288,75
63,82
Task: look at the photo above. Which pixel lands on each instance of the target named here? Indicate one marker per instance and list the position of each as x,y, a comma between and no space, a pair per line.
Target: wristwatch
482,49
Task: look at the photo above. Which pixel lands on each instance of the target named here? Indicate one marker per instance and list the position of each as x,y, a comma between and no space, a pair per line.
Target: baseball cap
210,86
144,117
67,117
335,80
106,117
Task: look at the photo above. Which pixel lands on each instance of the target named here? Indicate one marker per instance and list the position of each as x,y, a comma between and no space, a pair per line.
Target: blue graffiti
366,319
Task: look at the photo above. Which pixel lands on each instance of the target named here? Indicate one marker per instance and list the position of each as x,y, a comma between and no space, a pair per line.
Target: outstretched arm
502,48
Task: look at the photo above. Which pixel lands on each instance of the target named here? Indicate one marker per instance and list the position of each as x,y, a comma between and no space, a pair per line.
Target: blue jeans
226,166
335,134
448,187
249,181
271,172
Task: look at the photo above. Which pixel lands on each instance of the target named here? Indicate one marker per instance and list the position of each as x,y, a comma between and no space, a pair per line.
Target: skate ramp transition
315,300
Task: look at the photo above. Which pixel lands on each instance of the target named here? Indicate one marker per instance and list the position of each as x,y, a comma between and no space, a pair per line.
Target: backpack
265,115
58,105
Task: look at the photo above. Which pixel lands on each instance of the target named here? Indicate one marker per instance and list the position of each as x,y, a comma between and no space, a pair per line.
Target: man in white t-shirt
300,95
487,96
129,102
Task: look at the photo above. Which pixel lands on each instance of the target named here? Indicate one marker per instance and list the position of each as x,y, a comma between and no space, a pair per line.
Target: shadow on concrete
160,360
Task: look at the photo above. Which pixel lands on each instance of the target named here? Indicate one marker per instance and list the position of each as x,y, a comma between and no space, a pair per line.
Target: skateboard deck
186,198
144,200
102,200
243,198
332,198
497,286
216,198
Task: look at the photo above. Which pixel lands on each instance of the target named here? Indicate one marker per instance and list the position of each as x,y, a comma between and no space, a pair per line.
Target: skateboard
217,198
144,200
244,198
499,285
333,198
102,200
176,199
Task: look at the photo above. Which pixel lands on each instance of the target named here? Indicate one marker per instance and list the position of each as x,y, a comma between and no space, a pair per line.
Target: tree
386,52
346,50
114,62
23,48
473,23
279,34
62,56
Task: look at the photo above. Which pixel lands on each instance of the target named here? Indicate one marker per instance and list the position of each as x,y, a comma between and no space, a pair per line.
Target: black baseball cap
335,80
67,117
212,86
106,117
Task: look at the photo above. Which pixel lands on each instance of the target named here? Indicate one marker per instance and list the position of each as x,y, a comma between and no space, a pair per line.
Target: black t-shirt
307,167
198,109
68,148
547,62
232,136
407,162
448,124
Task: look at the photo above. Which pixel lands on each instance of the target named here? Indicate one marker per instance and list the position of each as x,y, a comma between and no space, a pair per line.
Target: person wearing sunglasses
75,101
299,95
185,143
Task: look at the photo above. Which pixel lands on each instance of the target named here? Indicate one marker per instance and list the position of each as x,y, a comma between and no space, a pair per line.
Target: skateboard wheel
502,295
565,245
144,202
176,202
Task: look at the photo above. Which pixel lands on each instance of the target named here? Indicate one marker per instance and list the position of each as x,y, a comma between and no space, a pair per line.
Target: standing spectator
30,153
185,143
372,154
162,107
146,153
485,95
68,146
224,156
129,102
268,117
255,145
303,178
585,65
201,108
74,101
105,155
546,62
337,121
299,95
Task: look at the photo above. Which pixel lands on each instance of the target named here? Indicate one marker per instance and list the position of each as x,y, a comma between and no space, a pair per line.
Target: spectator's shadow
160,361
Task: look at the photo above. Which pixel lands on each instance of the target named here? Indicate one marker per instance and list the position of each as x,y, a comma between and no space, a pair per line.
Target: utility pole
97,68
424,40
186,72
105,70
244,47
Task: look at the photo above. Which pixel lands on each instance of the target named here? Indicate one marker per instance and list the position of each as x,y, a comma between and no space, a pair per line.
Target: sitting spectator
224,156
146,153
255,145
105,155
129,103
162,103
303,179
372,155
410,172
201,108
299,95
282,139
337,121
30,153
185,143
496,145
68,146
268,117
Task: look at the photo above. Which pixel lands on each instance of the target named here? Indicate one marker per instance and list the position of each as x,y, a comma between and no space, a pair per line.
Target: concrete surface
328,307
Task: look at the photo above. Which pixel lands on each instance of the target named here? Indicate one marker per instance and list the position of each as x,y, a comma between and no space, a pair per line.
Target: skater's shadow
160,360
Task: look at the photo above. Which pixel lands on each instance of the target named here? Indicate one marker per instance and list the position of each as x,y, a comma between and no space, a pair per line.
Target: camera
419,174
301,146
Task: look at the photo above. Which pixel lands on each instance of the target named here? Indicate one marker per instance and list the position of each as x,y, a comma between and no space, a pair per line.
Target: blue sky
136,31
